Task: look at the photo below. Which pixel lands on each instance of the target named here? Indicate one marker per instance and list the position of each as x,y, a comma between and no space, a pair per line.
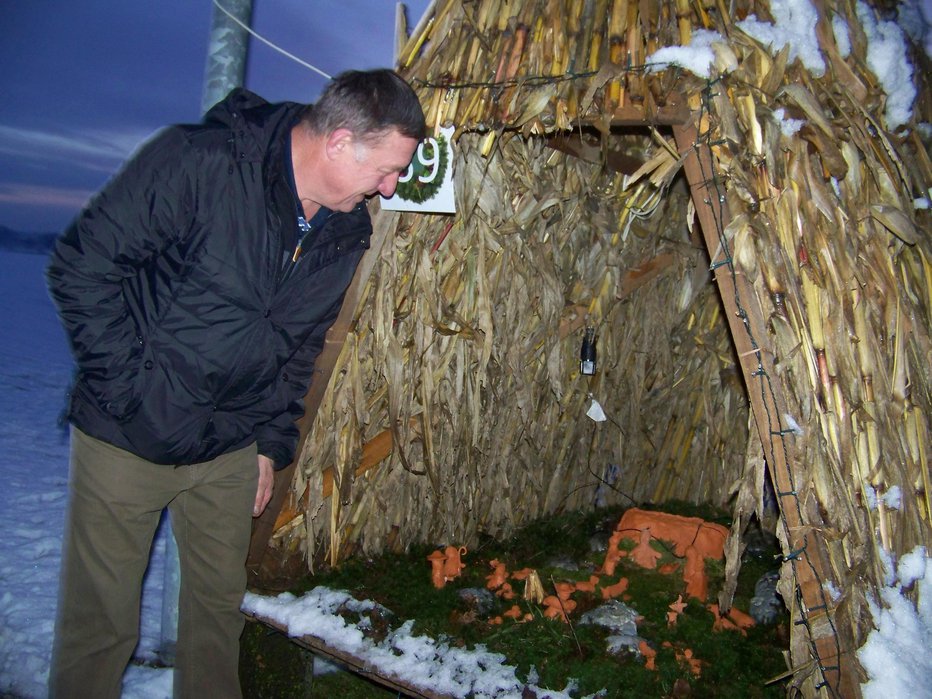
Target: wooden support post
355,665
264,526
830,639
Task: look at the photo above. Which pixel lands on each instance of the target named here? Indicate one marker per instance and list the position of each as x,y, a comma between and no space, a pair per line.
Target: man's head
367,103
360,135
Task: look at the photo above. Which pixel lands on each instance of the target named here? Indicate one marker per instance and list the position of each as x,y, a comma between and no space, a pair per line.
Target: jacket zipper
305,229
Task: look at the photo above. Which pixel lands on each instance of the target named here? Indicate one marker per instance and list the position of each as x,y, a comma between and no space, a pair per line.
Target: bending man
196,289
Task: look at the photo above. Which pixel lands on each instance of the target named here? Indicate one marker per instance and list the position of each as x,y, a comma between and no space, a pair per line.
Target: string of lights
527,80
789,498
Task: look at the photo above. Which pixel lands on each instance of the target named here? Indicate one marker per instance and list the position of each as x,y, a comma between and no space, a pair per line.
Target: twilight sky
84,82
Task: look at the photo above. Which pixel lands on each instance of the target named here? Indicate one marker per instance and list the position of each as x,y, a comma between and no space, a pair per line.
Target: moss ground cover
560,548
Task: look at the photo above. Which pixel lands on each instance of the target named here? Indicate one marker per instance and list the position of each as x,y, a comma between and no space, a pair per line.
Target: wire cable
270,44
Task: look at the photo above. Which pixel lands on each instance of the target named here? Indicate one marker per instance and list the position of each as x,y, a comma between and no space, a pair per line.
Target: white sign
427,185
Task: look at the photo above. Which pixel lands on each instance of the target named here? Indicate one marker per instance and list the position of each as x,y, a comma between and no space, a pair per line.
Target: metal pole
226,68
227,50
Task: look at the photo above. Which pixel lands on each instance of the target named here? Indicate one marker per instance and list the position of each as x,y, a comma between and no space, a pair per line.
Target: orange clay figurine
680,531
437,560
564,590
553,607
707,540
687,658
723,623
522,574
583,586
644,554
650,655
513,613
498,575
675,610
505,591
557,608
742,620
694,575
612,554
609,591
453,566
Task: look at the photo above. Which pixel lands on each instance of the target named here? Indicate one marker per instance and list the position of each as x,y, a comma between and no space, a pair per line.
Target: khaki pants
116,500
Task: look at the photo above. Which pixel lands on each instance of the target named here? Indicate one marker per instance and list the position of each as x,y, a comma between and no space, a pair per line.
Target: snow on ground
35,369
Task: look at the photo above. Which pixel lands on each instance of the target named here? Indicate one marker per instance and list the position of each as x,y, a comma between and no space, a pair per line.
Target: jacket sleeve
139,213
278,438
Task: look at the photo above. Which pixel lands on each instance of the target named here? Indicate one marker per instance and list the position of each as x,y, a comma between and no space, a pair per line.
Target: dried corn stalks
466,349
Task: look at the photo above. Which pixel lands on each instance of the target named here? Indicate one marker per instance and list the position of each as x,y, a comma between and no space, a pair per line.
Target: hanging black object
587,353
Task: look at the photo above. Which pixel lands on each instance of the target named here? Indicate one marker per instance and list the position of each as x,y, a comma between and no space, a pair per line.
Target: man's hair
368,103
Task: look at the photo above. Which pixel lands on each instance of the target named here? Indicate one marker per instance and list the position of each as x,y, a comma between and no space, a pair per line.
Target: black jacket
194,332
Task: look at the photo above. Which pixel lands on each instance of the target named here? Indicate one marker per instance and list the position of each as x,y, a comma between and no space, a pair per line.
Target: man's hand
264,491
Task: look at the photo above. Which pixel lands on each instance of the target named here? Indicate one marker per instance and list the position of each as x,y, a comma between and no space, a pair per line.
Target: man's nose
388,184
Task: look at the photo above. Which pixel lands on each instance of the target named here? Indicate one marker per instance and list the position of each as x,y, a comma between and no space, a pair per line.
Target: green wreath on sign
425,175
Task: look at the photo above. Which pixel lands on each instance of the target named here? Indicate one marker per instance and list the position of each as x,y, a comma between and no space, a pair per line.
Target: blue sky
84,82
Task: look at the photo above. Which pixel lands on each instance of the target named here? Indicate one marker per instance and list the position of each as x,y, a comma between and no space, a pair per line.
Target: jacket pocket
168,424
118,395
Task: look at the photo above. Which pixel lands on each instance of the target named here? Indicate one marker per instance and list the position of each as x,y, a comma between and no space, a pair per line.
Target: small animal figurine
453,565
437,560
498,575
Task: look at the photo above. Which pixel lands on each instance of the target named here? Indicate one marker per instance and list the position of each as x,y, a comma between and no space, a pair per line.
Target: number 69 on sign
427,183
431,161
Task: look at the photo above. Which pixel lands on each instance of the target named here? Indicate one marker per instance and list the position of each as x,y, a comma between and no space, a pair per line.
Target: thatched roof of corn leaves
745,243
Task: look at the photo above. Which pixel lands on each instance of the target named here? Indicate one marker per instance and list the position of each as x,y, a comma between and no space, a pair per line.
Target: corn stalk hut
743,236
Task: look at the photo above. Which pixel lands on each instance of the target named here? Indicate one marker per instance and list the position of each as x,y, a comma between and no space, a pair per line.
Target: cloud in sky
32,195
51,175
95,150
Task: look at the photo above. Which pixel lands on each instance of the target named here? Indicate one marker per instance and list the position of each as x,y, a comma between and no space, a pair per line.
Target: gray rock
624,643
598,543
766,605
613,615
478,598
563,563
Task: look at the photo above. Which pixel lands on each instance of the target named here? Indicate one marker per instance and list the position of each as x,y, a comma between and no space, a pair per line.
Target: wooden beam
590,148
264,526
374,452
589,144
357,666
675,112
830,638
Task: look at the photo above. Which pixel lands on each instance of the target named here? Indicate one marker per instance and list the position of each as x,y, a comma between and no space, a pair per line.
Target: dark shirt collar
292,235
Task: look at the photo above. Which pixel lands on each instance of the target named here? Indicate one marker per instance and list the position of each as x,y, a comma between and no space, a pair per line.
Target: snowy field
35,369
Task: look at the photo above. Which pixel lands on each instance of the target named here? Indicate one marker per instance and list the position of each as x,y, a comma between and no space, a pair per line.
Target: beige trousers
116,500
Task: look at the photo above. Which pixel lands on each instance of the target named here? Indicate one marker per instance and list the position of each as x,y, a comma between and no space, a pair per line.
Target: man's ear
339,141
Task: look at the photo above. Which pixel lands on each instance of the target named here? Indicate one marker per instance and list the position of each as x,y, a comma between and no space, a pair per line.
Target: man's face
365,169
